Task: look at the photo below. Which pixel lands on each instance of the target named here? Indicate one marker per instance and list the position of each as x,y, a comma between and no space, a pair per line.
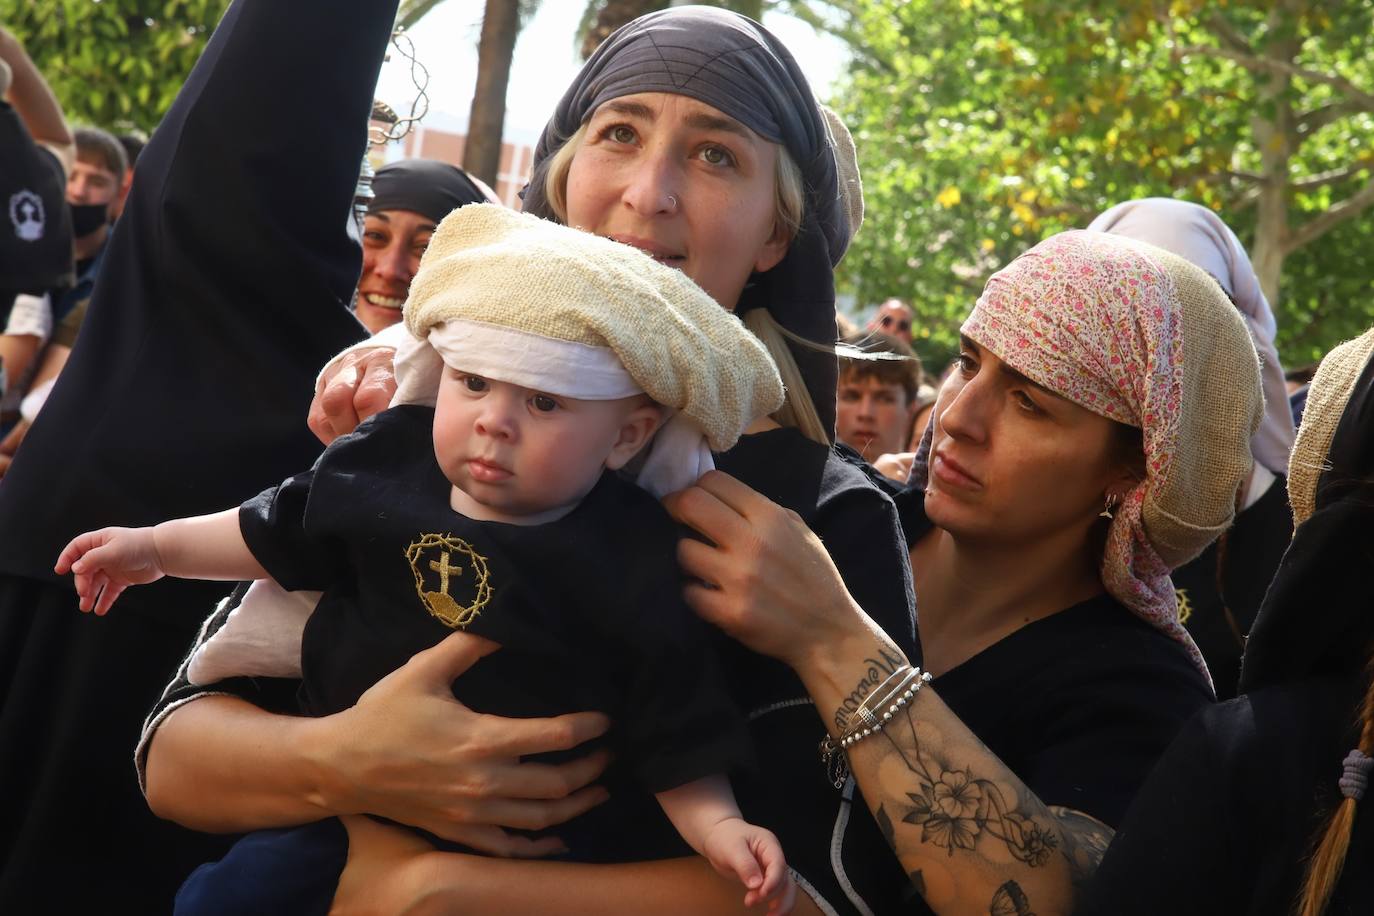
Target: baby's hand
754,855
107,561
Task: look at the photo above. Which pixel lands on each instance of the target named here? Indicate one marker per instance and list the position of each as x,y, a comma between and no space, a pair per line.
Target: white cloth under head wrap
678,454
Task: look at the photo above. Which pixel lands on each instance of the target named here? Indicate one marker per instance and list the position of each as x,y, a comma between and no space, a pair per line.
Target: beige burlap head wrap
518,299
1326,399
1141,336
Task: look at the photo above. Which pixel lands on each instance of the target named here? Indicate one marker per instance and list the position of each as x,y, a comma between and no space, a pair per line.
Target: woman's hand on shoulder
359,384
764,577
410,752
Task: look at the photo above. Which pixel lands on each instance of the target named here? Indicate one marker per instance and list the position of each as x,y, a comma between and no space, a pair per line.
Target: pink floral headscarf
1098,319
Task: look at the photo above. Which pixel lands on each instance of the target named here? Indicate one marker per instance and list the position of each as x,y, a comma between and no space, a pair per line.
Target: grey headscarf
1199,235
732,63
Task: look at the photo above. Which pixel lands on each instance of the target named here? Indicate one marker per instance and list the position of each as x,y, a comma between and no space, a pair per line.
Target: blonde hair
789,195
1328,859
798,410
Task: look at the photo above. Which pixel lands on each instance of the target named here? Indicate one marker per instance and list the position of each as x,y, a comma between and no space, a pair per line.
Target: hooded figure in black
1230,817
225,286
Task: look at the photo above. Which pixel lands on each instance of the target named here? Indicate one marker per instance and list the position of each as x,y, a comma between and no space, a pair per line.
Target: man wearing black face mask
92,188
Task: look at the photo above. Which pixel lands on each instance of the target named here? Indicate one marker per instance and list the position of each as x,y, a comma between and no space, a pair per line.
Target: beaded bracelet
872,717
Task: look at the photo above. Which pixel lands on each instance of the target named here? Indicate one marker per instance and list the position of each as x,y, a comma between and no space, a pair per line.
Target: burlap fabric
488,264
846,169
1326,400
1140,336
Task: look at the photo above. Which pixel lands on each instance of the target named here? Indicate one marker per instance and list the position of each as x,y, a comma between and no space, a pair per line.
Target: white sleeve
33,401
31,316
261,637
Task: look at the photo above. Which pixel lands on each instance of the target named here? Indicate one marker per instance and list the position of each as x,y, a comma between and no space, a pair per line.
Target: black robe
224,289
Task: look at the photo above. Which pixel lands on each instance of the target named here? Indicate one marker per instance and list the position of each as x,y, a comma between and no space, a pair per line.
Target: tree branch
1335,215
1228,34
1354,93
1325,178
1310,122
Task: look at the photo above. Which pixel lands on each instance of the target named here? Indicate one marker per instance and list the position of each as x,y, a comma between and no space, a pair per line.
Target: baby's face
518,455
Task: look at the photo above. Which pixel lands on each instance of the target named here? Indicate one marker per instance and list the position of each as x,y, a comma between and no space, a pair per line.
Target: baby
545,360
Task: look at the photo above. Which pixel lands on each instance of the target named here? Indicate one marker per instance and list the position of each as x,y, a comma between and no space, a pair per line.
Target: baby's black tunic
588,608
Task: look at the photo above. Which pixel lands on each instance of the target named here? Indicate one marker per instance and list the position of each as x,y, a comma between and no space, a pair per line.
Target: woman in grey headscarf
1220,592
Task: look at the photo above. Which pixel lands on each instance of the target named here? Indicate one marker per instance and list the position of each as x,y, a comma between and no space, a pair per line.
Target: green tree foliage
114,63
985,125
602,17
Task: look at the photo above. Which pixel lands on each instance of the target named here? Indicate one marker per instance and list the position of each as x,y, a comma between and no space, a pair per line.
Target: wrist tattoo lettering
878,670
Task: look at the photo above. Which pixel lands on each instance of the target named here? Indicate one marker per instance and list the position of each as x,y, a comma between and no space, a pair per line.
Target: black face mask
88,218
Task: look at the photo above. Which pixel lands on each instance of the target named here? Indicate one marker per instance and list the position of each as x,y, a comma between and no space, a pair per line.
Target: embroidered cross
440,603
443,569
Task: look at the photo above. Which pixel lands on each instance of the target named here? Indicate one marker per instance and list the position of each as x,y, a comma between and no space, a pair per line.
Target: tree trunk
612,15
482,150
1276,139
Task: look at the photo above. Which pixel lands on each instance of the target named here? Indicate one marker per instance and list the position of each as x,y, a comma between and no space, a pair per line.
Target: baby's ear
639,427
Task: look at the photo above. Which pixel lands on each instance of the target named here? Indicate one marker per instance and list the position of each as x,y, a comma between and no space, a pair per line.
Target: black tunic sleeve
862,534
223,290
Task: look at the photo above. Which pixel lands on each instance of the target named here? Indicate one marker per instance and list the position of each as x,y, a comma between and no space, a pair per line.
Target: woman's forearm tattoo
955,807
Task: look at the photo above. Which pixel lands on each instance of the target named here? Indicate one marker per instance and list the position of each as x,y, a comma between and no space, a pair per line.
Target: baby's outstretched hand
106,562
754,855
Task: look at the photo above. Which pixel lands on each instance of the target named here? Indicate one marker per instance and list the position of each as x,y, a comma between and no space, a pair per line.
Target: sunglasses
889,322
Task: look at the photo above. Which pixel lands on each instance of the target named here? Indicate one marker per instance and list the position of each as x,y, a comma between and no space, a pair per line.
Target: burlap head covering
519,299
1140,336
1315,620
734,64
1198,234
1326,402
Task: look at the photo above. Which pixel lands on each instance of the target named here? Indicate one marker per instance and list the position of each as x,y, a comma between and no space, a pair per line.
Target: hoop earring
1111,502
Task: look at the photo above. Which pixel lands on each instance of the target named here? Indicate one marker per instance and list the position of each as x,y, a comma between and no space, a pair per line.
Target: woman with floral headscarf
691,134
1220,591
1092,438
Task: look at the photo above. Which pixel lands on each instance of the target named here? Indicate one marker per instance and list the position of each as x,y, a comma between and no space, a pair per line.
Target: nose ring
672,202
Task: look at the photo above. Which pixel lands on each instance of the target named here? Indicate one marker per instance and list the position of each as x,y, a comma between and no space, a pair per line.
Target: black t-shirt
1079,704
588,609
1248,553
1227,821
